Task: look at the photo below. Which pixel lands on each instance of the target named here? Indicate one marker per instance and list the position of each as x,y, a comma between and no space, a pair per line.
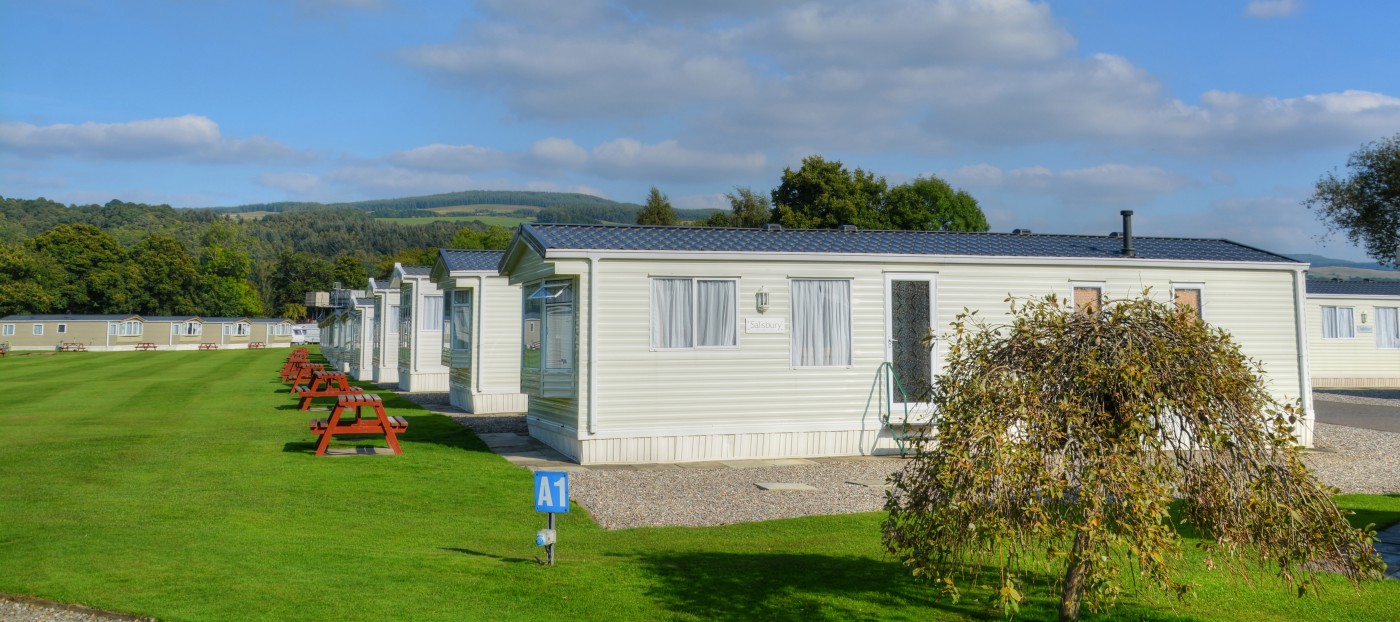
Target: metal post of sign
549,550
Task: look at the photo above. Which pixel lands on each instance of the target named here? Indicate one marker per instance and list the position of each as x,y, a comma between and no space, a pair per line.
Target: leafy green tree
226,296
350,272
930,204
407,257
825,195
95,278
295,274
1064,438
1365,204
748,208
28,282
495,237
224,251
168,278
657,211
294,311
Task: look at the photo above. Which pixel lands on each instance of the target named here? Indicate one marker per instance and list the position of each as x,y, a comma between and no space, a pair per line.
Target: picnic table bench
146,345
302,374
208,346
253,345
4,348
380,424
72,346
292,366
324,384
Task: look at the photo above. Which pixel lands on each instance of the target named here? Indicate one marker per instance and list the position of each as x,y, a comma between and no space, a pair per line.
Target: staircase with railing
902,426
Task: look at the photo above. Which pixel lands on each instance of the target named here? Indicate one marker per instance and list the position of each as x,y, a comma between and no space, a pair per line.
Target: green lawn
181,485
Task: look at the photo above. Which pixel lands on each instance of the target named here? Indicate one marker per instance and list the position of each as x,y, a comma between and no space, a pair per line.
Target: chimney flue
1127,232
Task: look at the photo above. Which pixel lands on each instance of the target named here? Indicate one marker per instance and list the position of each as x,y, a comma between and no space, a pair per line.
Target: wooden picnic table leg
388,429
331,424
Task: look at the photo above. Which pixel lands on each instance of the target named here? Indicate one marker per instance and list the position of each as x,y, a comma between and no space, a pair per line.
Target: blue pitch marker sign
551,491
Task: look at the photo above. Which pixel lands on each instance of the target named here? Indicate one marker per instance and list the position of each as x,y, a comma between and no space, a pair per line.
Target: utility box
318,299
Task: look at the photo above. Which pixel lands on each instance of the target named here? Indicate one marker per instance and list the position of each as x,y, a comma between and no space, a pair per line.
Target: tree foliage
657,211
746,209
825,194
169,279
1365,204
494,237
1064,438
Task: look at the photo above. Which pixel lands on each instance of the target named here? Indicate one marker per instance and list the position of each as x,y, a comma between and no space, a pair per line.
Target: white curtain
1337,323
559,336
1387,327
821,323
391,318
714,314
432,313
671,313
462,320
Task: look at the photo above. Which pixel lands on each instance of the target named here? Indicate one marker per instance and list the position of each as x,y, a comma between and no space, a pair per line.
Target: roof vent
1021,231
850,228
1127,233
772,226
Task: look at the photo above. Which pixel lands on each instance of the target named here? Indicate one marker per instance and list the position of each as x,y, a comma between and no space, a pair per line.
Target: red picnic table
289,370
380,424
302,374
324,384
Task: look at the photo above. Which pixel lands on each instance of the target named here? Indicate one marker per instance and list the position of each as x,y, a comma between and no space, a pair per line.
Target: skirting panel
1354,383
739,446
462,397
422,383
386,375
564,440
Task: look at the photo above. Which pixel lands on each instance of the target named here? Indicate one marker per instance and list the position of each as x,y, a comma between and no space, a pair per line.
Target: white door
909,318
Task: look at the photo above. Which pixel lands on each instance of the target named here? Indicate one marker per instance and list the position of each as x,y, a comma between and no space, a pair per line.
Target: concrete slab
782,486
869,483
557,466
792,462
747,464
359,451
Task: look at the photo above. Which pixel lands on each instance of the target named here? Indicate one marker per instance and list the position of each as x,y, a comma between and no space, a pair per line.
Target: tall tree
657,211
748,208
29,283
350,272
97,278
824,195
1071,434
295,274
930,204
169,280
495,237
1365,204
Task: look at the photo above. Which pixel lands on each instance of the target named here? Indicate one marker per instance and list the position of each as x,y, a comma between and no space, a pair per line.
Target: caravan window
1387,327
432,313
1188,297
547,332
698,313
821,323
460,320
1338,323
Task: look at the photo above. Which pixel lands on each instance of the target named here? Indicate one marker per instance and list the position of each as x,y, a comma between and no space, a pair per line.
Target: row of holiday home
125,332
629,344
1354,333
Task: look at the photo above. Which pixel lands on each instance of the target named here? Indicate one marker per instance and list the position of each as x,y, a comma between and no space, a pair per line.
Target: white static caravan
481,338
359,351
1354,333
676,344
420,330
384,362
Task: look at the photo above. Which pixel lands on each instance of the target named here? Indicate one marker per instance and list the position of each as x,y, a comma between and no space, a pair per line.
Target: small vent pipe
1127,233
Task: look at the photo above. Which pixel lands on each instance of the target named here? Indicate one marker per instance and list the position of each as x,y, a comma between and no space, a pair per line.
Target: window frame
1377,312
850,323
62,329
38,330
7,330
1200,288
238,329
556,288
1334,308
429,318
449,308
1075,286
694,315
126,328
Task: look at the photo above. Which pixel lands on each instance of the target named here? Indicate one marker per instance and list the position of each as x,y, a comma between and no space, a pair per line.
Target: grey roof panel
951,243
457,259
67,317
1354,288
417,270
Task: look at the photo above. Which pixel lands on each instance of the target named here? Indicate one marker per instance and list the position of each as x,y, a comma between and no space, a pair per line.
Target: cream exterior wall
1355,362
749,402
420,360
384,361
487,381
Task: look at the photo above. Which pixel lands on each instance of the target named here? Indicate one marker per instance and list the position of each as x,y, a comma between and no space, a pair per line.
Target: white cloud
461,158
1269,9
1117,185
189,137
669,161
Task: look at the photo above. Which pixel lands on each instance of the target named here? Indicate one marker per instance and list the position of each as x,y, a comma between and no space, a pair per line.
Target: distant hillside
538,206
1329,268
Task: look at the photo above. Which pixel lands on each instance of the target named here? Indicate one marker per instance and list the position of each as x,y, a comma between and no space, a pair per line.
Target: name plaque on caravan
765,325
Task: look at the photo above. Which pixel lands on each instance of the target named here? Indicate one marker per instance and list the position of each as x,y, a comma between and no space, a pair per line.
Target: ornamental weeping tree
1065,437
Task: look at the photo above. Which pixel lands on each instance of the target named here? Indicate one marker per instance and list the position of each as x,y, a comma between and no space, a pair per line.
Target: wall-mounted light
1363,317
761,300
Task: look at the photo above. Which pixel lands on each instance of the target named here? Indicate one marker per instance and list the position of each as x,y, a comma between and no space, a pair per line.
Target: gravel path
25,609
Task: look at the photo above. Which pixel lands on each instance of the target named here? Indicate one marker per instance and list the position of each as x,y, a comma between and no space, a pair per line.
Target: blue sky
1209,118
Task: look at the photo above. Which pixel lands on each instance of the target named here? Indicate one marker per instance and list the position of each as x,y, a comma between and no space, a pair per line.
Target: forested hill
570,207
469,197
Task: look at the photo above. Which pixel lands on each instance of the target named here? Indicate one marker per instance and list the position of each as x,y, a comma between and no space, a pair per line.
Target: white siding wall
422,370
495,387
1355,362
556,417
750,402
385,360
